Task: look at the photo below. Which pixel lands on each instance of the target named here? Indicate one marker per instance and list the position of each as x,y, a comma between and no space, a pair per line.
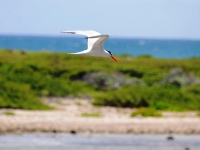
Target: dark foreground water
48,141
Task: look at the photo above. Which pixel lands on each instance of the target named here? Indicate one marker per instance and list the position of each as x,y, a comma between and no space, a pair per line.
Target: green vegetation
146,112
16,95
132,82
78,103
198,113
91,115
158,97
9,113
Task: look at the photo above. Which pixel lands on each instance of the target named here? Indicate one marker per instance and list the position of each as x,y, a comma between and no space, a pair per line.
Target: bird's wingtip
71,32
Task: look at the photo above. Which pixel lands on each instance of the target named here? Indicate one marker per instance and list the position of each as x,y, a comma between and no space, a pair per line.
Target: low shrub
14,95
166,97
134,96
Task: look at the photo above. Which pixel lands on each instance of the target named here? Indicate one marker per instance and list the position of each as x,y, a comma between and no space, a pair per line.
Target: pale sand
68,118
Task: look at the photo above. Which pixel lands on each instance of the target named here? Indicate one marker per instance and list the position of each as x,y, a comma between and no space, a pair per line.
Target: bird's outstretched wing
99,41
95,39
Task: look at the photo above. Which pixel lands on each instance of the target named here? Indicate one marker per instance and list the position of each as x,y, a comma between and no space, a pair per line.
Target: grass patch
146,112
9,113
78,103
198,113
91,114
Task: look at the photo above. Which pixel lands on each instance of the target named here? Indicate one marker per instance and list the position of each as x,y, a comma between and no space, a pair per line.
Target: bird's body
95,43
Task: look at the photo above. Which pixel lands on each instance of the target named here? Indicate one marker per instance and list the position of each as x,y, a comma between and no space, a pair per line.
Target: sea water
61,141
158,48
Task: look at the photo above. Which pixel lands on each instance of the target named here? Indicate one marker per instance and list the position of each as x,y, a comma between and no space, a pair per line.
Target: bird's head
111,55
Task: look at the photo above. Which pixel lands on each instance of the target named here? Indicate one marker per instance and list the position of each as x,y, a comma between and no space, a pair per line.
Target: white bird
95,43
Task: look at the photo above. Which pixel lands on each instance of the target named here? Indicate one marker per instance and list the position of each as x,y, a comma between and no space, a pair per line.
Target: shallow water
48,141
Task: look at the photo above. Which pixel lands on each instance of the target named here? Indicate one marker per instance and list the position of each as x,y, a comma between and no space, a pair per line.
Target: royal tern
95,43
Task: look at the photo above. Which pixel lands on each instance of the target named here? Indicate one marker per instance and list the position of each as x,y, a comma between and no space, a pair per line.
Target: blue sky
171,19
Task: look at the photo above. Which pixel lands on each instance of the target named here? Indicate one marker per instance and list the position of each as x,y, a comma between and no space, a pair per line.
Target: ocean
158,48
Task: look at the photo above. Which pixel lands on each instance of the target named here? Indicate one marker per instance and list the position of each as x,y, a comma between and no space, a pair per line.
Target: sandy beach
75,116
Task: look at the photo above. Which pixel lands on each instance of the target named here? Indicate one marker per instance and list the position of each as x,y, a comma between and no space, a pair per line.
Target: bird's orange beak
114,58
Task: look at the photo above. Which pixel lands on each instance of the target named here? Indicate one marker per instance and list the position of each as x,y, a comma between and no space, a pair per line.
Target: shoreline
91,125
68,118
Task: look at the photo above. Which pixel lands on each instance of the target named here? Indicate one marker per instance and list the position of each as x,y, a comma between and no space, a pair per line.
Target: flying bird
94,45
